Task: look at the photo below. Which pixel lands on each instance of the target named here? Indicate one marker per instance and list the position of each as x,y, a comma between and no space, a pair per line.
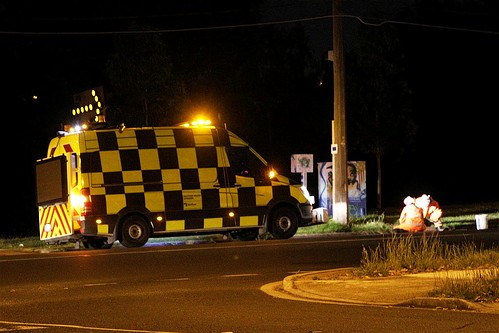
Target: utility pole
340,188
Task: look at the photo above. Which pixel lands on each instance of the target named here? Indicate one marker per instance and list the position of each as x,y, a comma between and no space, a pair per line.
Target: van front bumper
307,215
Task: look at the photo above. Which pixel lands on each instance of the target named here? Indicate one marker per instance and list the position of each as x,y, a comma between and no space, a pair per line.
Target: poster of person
356,178
325,170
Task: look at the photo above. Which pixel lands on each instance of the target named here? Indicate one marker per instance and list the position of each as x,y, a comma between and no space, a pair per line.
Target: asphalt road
212,287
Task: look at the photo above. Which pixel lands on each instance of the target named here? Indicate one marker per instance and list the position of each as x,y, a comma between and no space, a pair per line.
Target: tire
284,223
245,234
135,231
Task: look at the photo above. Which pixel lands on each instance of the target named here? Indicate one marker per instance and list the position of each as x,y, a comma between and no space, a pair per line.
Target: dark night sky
453,70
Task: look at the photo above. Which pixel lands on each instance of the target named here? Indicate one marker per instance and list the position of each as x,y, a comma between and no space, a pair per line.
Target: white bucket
320,215
482,221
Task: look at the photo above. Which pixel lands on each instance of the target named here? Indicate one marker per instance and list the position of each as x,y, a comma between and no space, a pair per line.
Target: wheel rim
135,231
284,223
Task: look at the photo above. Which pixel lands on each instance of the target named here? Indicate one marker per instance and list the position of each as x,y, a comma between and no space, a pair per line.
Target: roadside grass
35,244
372,223
473,285
478,278
31,243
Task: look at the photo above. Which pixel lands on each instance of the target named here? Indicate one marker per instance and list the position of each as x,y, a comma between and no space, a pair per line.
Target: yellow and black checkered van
130,184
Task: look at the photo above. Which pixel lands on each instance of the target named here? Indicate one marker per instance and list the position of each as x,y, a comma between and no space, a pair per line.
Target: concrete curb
443,303
319,286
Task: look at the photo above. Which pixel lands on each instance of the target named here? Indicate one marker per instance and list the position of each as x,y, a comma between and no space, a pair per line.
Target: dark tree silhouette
379,113
142,88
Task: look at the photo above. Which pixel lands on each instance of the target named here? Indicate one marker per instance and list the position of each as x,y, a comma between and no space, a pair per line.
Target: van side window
244,163
74,170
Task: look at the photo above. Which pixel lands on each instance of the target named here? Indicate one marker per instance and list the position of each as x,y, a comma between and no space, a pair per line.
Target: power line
419,25
249,25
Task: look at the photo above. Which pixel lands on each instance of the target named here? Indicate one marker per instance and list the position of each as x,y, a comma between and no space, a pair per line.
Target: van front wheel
284,223
134,232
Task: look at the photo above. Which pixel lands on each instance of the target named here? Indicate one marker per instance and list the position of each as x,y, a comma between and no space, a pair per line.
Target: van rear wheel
284,223
135,231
